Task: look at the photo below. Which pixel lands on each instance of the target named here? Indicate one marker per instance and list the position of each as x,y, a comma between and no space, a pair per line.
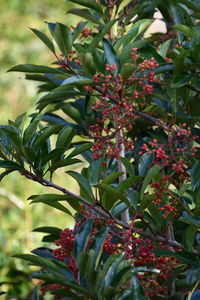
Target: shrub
124,106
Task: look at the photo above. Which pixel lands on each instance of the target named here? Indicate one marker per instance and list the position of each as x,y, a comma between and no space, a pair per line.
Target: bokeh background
17,218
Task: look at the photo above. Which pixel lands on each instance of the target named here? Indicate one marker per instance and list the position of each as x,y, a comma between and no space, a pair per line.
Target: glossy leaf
97,245
110,55
82,238
149,177
102,33
90,4
186,30
80,149
63,38
83,183
45,39
146,160
29,68
76,80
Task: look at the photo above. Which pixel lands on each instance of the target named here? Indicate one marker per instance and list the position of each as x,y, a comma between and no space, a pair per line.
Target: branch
151,236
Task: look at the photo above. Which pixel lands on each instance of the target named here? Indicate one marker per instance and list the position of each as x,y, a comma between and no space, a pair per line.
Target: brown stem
151,236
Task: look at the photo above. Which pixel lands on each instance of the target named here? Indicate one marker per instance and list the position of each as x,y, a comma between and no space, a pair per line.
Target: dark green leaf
97,245
45,39
112,177
145,162
77,31
152,172
82,238
186,30
63,38
83,183
128,165
65,137
101,34
46,133
29,68
80,149
189,235
137,291
84,13
90,4
186,257
6,164
193,275
110,55
48,229
76,80
94,171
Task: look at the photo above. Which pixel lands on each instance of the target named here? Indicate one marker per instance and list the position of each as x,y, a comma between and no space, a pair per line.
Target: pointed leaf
90,4
63,38
45,39
82,238
83,183
102,33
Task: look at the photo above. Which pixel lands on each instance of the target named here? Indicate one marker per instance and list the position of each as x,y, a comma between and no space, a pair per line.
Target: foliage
127,104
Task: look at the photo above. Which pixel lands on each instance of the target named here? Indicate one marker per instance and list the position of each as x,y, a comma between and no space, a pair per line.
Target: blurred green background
19,45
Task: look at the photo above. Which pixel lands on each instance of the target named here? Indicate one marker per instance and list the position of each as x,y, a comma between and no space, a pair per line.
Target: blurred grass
19,45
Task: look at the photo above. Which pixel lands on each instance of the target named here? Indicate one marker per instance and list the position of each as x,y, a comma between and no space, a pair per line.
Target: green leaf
90,4
156,214
52,278
114,193
6,164
47,199
97,245
193,275
186,257
39,261
94,171
63,38
189,235
186,30
30,130
195,176
45,39
77,31
164,48
137,291
149,177
181,80
86,14
190,220
99,36
128,165
107,275
110,55
46,133
64,162
82,238
76,80
112,177
71,200
145,162
83,183
65,137
29,68
80,149
48,229
136,29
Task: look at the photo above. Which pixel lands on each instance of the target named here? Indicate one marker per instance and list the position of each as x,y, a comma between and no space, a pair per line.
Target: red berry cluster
171,154
162,199
116,107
